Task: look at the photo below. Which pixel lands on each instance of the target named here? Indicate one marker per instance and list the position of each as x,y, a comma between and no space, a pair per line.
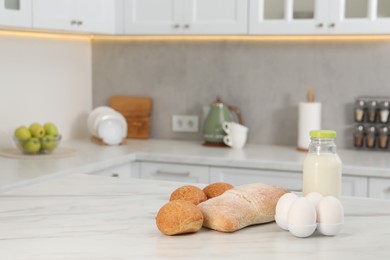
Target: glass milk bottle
322,165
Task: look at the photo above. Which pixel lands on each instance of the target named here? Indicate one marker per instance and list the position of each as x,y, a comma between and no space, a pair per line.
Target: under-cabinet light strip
196,37
49,35
246,38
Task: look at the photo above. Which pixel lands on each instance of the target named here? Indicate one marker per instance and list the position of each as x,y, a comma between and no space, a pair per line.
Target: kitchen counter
87,217
90,157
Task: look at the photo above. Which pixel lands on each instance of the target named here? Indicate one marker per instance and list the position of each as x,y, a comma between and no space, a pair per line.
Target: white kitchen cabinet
15,13
355,186
236,176
313,17
293,181
379,188
360,16
123,171
186,16
98,16
174,172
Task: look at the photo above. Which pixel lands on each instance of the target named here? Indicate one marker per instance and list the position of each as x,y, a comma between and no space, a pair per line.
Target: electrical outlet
185,123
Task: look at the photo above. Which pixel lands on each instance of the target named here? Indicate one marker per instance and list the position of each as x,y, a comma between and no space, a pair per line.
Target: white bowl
92,117
111,132
111,128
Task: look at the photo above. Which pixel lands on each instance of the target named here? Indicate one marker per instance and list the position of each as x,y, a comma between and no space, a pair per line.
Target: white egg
330,216
314,197
330,211
302,218
282,208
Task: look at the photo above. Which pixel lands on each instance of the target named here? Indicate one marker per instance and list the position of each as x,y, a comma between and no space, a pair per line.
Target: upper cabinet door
15,13
360,17
216,17
98,16
313,17
186,16
153,17
275,17
53,14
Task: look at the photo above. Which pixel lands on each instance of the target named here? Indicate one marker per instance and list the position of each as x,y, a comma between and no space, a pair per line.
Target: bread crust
179,217
216,189
189,193
241,206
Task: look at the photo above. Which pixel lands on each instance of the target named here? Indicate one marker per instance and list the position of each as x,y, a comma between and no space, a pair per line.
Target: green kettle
219,112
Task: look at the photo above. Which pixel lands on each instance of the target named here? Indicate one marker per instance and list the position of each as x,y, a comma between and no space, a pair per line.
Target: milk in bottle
322,166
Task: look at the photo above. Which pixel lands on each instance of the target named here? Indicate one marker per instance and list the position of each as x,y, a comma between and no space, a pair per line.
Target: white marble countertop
88,217
91,157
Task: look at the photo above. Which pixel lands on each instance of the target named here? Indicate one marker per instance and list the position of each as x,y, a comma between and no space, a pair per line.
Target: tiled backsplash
266,80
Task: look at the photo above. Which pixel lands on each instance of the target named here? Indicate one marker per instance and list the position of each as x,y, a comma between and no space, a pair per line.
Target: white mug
236,134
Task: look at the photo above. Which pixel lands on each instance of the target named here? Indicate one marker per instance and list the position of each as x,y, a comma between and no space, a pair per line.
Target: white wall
44,79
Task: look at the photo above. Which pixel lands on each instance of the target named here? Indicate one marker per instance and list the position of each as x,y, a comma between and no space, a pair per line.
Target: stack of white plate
108,125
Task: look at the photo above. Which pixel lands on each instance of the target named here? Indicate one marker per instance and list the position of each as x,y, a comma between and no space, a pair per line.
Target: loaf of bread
189,193
241,206
216,189
179,217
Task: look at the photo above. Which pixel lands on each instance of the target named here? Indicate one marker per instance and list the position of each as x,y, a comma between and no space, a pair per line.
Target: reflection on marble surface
91,217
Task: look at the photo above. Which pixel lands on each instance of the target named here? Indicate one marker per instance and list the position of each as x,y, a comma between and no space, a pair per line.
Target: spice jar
383,137
360,110
384,107
370,132
371,111
358,136
322,166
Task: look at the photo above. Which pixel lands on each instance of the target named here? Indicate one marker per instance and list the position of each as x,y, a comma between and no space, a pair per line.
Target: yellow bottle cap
323,134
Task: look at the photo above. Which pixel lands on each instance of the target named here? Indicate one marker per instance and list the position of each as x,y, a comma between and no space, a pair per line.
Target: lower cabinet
236,176
379,188
174,172
123,171
351,186
355,186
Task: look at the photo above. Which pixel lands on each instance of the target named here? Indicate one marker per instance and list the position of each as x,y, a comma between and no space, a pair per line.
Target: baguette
241,206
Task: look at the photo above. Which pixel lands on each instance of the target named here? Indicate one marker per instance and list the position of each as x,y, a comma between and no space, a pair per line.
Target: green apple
37,130
48,143
50,129
22,133
32,145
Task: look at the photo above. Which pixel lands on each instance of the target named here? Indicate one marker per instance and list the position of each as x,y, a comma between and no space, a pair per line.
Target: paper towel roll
309,118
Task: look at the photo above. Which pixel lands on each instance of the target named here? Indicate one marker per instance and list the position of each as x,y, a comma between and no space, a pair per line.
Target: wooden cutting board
137,111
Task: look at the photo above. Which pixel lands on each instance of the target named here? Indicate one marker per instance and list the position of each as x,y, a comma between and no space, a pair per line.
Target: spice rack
371,116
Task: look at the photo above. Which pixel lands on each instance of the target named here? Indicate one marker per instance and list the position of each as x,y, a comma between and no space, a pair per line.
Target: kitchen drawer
293,181
354,186
379,188
236,176
174,172
121,171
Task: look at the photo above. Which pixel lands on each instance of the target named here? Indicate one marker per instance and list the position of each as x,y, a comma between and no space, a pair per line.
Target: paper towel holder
309,118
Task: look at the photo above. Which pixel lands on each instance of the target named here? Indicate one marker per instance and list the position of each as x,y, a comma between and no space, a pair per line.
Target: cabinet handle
73,22
115,175
176,26
332,25
79,22
173,173
320,25
186,26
